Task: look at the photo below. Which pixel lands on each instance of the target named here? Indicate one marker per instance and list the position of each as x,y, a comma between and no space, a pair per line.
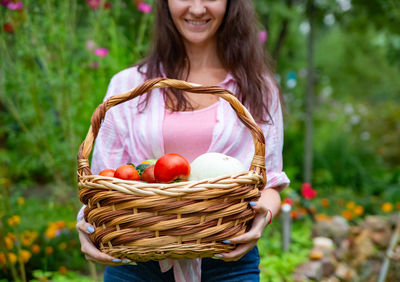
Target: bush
55,68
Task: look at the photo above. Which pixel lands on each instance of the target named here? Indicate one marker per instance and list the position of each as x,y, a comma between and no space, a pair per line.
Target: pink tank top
189,133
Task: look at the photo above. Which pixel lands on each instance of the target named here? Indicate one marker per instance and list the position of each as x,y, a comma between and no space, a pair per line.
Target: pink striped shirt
129,136
189,133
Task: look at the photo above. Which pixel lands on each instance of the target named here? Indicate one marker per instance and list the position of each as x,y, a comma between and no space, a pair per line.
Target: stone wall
350,252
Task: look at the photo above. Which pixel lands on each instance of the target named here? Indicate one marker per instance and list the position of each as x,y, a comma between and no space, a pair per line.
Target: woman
209,42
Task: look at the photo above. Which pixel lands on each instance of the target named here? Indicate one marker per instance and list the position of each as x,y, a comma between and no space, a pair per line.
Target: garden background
342,126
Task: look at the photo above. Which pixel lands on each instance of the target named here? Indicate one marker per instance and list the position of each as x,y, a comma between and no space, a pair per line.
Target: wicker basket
153,221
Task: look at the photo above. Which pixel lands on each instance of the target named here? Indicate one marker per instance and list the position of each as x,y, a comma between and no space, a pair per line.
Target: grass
277,265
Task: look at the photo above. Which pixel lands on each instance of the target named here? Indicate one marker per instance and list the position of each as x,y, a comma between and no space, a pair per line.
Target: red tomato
107,172
171,167
148,175
126,172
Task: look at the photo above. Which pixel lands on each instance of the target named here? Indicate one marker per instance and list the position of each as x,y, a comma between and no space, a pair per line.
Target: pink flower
90,45
101,52
94,4
5,2
307,191
262,36
14,6
144,8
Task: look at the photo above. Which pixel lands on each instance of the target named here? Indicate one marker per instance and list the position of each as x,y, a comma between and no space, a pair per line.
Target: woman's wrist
271,200
269,216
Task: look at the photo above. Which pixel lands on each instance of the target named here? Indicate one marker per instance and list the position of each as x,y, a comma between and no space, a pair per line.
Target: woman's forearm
271,199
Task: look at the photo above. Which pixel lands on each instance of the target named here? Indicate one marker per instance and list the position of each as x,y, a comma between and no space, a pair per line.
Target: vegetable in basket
171,167
107,172
211,165
148,175
127,172
140,168
149,162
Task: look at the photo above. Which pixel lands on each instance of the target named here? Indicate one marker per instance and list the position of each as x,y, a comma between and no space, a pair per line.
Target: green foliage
43,233
51,81
276,265
69,276
355,116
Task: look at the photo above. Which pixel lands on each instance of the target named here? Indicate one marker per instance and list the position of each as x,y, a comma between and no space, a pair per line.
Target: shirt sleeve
109,151
273,131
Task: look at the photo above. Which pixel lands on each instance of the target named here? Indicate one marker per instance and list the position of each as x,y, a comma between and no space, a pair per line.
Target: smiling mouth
197,23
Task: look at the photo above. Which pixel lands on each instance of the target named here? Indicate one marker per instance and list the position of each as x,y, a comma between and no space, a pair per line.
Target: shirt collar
228,79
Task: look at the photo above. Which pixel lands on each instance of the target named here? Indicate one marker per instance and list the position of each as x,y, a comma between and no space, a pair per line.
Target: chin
197,41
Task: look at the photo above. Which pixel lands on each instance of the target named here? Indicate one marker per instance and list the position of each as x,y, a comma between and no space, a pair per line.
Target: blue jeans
244,270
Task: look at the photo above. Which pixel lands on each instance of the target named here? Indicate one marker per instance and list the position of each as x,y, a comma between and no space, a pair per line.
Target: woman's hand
89,249
248,240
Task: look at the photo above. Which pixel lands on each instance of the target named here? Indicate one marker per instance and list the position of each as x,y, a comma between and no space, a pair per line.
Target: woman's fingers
91,252
237,253
259,208
254,233
84,227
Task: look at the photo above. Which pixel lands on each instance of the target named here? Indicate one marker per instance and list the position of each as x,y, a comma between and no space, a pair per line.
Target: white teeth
197,22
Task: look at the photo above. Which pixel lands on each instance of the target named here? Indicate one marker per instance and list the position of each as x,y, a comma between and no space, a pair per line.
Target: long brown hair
238,48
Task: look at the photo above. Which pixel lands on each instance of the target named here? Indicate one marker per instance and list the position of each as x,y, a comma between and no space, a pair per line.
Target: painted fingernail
116,260
217,256
90,229
253,204
226,241
126,261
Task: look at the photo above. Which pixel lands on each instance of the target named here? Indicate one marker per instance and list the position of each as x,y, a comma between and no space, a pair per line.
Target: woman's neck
203,56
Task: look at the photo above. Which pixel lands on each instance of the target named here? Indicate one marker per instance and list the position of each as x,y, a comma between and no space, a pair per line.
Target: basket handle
258,162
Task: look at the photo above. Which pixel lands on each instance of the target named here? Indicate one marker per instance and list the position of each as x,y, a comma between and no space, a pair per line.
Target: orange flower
51,232
294,214
2,258
35,248
325,202
25,256
12,257
49,250
347,215
54,229
321,217
387,207
9,242
312,209
398,205
12,236
14,220
62,269
60,224
27,237
350,205
358,210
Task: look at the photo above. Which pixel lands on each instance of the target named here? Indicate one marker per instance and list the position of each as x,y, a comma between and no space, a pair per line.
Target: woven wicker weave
153,221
